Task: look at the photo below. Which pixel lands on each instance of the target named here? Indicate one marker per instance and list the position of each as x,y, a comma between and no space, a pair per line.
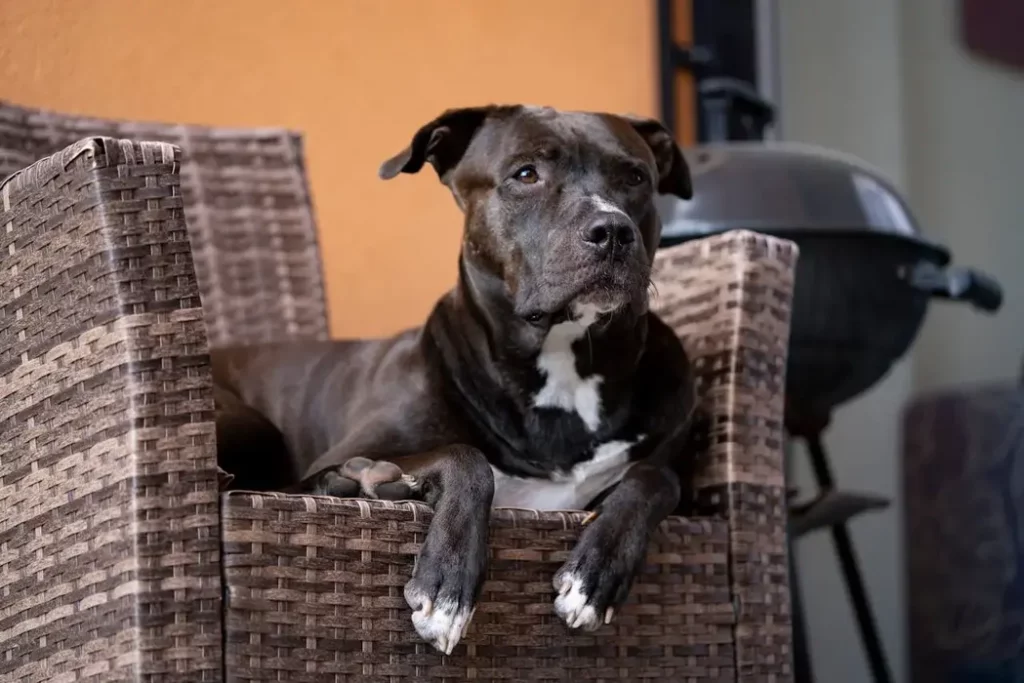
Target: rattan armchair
126,251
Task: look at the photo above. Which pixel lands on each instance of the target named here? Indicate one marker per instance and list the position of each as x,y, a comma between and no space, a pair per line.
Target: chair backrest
248,209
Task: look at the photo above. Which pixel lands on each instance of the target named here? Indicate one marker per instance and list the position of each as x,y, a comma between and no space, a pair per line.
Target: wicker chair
121,560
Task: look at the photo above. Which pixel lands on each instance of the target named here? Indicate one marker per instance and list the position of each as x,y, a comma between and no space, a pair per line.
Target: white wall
841,87
964,136
888,81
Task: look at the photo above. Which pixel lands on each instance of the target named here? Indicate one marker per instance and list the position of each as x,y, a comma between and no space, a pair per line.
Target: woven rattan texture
729,299
315,584
315,594
250,220
109,538
109,553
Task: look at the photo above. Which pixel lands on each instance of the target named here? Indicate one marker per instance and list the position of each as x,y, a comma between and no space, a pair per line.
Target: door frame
702,38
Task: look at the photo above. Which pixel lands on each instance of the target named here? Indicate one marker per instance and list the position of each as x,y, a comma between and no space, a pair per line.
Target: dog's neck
517,396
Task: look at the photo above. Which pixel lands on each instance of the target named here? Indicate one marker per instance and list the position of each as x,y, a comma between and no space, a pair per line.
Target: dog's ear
442,142
673,173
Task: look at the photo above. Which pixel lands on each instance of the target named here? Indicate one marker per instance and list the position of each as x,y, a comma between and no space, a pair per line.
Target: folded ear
442,142
673,173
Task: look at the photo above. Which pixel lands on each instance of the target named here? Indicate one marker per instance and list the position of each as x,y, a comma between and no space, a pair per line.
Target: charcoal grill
864,280
865,276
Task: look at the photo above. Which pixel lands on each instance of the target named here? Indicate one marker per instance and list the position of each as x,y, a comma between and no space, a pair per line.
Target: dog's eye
527,174
535,318
635,176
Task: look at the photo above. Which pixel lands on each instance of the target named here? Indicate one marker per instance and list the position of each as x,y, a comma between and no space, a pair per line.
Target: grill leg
851,570
802,671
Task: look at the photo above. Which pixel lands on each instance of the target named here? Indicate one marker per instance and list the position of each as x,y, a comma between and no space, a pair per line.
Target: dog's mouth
599,301
592,295
595,305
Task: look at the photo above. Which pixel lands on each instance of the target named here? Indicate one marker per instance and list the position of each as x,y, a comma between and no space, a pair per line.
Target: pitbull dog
540,381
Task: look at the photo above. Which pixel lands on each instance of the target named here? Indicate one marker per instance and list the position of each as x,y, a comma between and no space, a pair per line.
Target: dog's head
560,218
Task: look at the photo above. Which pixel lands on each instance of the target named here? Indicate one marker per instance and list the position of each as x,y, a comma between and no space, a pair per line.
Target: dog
541,380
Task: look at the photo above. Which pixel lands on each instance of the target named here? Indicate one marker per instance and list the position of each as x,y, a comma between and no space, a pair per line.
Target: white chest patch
564,388
570,490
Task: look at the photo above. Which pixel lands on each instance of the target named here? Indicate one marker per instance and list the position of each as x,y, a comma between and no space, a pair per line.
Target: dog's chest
564,388
569,490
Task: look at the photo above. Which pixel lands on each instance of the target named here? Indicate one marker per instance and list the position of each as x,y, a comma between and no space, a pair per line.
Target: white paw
572,605
442,624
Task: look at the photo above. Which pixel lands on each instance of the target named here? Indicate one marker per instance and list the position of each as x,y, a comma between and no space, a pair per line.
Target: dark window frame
724,45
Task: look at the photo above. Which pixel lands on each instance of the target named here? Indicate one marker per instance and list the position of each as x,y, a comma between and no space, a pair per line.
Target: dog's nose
605,235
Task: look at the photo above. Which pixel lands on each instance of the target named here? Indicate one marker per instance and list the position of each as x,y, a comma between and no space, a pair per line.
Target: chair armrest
109,532
729,298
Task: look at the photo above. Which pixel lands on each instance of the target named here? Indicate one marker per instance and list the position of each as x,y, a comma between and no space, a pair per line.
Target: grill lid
786,189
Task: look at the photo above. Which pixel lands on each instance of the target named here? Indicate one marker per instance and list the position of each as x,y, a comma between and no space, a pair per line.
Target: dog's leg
457,482
597,577
250,448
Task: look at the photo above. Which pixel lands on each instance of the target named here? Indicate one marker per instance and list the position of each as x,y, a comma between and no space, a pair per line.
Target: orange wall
357,77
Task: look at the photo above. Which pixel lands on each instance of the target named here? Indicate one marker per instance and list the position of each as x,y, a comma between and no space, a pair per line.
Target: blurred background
901,84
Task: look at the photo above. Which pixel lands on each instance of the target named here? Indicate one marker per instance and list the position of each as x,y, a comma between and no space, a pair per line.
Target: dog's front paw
362,477
441,623
446,580
442,593
575,605
596,579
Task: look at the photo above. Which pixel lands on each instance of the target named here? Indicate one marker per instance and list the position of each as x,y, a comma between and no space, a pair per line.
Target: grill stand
832,509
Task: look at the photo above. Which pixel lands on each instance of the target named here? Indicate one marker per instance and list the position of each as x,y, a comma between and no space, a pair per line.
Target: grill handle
957,284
